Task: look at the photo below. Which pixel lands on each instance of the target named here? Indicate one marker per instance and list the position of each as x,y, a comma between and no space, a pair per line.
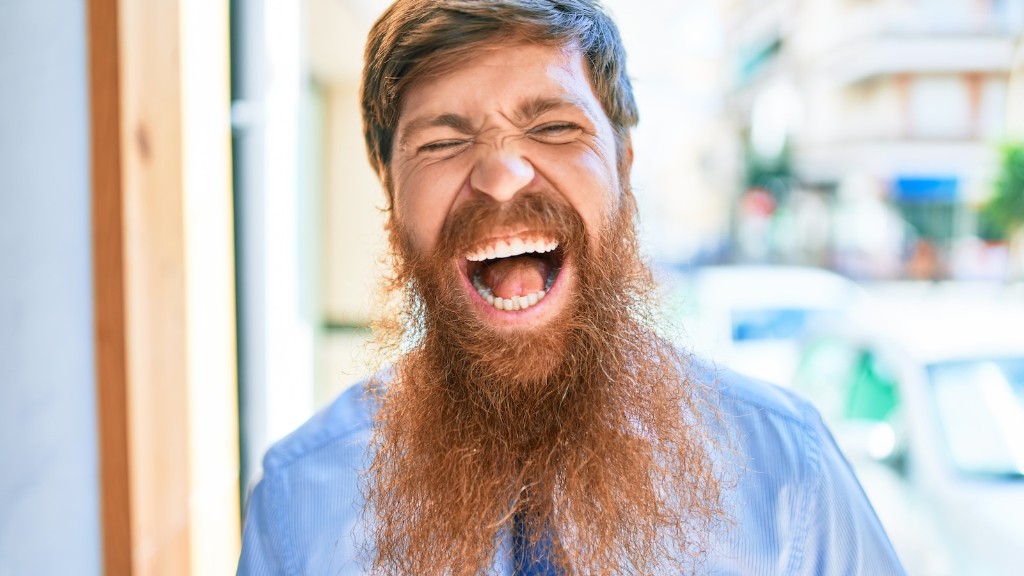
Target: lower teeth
513,303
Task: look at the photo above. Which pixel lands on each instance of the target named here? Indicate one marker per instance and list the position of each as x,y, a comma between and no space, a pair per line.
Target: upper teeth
511,247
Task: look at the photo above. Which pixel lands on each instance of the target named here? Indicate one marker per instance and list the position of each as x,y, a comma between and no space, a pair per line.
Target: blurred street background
830,191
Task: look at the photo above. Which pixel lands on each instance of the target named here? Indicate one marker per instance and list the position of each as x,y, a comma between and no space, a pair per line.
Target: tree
1005,210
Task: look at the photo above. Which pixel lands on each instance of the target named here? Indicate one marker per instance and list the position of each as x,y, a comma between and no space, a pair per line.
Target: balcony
898,54
971,160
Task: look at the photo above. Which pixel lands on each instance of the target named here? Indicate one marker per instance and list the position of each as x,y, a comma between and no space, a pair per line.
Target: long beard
588,431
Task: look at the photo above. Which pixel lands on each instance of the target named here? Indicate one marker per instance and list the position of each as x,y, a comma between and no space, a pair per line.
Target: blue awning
925,189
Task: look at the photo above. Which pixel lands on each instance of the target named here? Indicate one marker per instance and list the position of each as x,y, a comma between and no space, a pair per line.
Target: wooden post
156,393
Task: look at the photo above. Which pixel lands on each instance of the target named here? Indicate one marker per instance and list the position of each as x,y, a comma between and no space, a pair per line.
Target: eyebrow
534,107
453,121
527,111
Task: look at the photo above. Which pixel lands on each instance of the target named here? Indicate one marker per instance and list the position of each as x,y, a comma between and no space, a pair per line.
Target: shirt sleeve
262,538
842,532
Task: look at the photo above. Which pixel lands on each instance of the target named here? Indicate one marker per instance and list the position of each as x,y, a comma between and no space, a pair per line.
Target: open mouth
514,273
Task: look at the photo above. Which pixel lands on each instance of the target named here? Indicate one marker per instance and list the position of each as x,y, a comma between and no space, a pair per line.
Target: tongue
516,276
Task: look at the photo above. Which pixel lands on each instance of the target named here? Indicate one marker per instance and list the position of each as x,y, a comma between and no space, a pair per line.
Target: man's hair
419,38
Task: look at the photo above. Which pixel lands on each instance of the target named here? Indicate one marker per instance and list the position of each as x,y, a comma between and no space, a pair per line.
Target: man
531,421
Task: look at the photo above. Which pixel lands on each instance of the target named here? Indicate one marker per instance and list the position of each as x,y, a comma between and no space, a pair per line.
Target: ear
384,177
626,158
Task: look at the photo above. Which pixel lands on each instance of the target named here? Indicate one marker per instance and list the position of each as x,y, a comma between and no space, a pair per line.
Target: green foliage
1005,210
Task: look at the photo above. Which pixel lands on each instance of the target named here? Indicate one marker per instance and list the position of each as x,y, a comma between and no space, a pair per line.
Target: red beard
588,428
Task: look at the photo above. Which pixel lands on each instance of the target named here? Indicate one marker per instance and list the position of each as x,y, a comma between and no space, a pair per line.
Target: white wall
49,495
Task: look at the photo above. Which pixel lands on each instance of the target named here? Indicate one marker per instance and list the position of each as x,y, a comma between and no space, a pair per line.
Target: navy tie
529,560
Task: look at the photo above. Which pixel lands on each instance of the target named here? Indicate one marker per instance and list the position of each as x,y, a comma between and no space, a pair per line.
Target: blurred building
887,111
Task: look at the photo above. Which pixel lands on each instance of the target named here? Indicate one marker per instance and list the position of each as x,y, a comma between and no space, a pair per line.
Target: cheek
597,212
423,199
419,220
589,181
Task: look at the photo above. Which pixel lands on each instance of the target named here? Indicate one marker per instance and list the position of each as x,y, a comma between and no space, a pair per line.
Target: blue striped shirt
796,507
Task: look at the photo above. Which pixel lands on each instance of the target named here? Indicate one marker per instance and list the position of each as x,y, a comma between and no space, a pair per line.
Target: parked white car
927,402
751,317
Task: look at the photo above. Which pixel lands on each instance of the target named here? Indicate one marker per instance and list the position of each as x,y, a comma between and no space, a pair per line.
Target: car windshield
774,323
981,409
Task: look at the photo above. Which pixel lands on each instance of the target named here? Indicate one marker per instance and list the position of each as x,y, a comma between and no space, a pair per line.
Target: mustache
477,219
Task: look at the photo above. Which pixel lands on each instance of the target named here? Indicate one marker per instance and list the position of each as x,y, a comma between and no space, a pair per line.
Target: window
940,108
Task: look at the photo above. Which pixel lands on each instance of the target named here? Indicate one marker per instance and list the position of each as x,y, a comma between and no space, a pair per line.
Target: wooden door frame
163,285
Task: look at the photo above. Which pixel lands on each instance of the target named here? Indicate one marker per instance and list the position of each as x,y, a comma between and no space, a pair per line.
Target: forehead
508,76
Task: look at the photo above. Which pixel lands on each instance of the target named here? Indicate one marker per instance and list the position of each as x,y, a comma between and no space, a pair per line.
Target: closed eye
555,132
440,145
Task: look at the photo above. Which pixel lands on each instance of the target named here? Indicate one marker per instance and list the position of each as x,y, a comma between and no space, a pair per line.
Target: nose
501,173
